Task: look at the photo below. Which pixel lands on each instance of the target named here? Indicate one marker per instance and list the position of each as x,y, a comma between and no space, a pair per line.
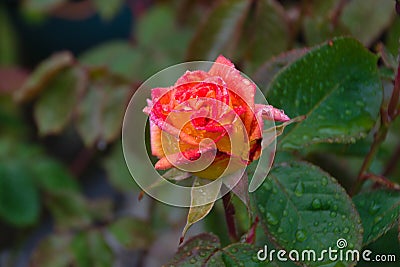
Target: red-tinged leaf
100,114
196,250
220,31
42,75
54,108
270,34
367,19
53,251
132,233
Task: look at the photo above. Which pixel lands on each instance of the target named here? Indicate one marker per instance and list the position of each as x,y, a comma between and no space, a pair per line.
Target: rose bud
207,123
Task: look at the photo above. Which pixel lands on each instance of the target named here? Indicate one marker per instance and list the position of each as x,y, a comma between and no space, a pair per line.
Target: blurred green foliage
79,100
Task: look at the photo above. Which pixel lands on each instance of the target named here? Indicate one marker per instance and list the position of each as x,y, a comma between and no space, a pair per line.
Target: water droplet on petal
324,181
346,230
333,214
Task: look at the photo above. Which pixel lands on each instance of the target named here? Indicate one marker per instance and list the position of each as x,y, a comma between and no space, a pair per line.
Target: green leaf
321,29
53,251
336,86
8,40
379,211
220,31
302,207
19,199
69,210
12,126
265,74
119,58
320,22
367,19
270,33
117,172
88,120
43,74
132,233
238,254
54,108
113,110
155,25
108,9
199,196
52,177
99,251
91,249
158,26
393,36
196,251
100,114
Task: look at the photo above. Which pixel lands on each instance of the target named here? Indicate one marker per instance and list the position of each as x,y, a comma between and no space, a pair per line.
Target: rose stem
388,115
229,216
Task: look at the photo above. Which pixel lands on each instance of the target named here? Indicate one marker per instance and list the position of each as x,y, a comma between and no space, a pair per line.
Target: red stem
394,100
229,216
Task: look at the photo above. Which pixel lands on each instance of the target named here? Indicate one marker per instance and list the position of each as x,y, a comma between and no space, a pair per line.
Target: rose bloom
217,105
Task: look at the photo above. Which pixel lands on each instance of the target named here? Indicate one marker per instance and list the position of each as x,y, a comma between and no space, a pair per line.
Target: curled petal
155,140
268,112
239,85
192,76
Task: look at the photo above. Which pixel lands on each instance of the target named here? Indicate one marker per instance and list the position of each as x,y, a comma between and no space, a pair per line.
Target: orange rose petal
192,76
163,164
155,140
241,86
159,92
271,113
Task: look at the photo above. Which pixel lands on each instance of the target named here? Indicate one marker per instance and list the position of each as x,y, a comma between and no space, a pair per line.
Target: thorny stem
381,180
393,110
229,216
388,114
379,137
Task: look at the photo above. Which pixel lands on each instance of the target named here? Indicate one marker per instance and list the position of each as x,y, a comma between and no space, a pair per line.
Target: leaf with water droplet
203,196
237,254
309,216
196,250
379,211
327,82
